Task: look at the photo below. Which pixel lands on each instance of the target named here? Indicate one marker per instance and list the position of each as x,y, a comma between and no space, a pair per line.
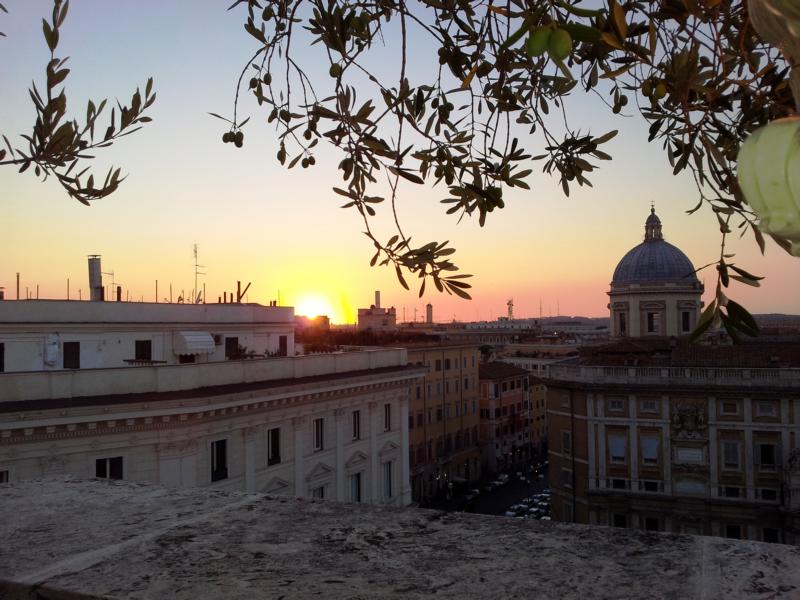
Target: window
730,455
411,421
185,359
566,442
387,417
567,509
733,531
283,345
648,406
619,520
430,416
355,487
623,329
356,424
617,448
143,350
318,493
108,468
4,477
447,414
731,491
650,450
419,392
466,383
651,524
768,534
446,364
446,387
319,434
438,414
766,456
231,347
650,486
566,478
619,484
766,409
219,460
274,446
653,322
730,408
420,419
387,480
768,494
3,358
438,365
616,404
72,355
686,321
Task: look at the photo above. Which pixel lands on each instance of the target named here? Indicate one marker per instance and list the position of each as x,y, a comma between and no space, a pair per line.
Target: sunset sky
283,230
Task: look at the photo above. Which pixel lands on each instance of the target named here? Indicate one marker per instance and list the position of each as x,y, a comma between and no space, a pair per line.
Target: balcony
48,385
678,376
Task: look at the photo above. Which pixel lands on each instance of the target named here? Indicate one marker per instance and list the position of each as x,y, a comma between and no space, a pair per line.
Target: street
497,501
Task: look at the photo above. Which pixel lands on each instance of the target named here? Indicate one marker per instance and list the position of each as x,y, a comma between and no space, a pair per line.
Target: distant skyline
282,230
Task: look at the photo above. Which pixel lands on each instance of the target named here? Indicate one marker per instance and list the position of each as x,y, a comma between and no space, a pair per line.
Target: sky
282,230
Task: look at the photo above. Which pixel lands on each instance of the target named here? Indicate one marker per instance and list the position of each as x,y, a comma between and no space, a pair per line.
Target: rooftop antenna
540,308
113,285
197,267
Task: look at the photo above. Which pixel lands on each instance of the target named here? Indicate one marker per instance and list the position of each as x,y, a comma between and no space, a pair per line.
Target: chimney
429,313
2,294
377,299
119,293
95,279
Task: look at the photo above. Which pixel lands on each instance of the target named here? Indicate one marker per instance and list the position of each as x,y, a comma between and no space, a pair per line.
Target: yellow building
443,419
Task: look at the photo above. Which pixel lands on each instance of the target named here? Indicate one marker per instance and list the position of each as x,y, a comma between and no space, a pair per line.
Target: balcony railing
39,385
776,377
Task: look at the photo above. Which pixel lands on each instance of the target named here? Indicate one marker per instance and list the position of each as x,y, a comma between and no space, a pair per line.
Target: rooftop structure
131,541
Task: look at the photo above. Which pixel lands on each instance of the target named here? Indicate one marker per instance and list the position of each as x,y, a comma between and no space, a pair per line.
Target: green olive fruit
225,137
304,163
253,83
267,78
311,160
335,70
238,139
238,143
307,134
661,90
647,89
560,44
538,41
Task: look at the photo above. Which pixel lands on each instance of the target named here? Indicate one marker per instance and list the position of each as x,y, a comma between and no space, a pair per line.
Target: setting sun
313,305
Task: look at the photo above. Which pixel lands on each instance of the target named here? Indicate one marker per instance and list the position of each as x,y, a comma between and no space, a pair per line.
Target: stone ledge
76,539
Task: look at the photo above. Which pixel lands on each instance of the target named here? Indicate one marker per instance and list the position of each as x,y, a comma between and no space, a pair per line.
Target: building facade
443,419
657,433
377,319
508,428
326,426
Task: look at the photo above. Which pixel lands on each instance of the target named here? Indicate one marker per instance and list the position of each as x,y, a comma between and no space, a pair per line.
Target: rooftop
27,312
124,540
499,370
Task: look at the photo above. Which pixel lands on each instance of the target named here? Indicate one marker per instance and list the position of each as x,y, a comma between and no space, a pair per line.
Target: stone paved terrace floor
72,539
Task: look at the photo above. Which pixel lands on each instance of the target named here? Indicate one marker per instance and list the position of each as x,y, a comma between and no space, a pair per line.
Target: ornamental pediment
388,448
320,471
356,459
276,485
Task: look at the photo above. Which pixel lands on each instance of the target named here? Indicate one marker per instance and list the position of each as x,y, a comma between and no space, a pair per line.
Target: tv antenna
196,296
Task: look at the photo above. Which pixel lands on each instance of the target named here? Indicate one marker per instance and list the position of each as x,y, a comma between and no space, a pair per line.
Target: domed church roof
654,260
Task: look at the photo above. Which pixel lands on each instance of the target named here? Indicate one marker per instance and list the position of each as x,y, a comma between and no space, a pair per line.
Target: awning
192,342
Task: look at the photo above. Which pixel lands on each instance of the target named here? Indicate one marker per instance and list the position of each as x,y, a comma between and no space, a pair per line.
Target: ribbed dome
654,260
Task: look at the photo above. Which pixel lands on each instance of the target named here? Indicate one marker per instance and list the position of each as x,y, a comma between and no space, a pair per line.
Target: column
633,433
249,434
748,447
713,447
374,459
590,428
601,442
298,423
405,486
340,469
667,440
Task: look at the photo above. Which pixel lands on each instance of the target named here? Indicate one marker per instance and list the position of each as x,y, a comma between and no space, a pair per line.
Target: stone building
508,432
657,433
443,418
199,395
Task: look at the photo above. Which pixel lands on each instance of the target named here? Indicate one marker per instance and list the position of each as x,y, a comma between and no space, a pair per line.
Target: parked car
503,477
